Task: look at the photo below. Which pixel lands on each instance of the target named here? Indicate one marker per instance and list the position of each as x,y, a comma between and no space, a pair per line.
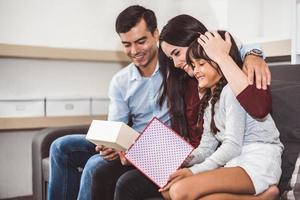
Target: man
133,92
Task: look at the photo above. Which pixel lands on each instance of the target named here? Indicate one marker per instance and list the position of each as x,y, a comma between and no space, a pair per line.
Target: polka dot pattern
158,152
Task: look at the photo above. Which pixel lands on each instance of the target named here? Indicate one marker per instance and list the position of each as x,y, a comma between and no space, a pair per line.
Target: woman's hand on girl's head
214,46
176,176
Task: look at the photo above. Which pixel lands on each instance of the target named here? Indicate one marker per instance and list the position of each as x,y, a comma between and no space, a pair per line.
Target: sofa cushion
45,170
286,114
286,109
294,192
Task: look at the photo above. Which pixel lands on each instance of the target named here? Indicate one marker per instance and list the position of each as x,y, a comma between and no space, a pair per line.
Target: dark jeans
105,178
114,181
73,161
133,185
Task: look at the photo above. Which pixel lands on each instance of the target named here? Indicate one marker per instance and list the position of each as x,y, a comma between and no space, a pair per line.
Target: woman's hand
214,46
187,161
123,159
176,176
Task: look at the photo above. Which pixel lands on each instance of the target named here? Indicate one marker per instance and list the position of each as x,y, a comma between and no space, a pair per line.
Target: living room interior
58,57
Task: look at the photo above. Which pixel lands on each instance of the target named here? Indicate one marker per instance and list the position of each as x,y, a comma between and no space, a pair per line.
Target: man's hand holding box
116,135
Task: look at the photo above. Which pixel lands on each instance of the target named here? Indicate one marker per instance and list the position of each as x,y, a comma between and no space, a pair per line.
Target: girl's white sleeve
235,120
207,146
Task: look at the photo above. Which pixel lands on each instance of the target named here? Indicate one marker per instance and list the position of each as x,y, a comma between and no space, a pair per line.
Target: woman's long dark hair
181,31
196,51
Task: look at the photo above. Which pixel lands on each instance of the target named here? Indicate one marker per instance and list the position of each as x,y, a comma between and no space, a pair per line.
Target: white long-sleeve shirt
236,129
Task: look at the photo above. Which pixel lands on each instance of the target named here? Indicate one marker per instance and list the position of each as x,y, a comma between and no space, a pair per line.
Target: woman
181,91
248,161
175,38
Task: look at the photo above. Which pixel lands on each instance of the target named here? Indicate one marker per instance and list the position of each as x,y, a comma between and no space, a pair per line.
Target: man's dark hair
132,15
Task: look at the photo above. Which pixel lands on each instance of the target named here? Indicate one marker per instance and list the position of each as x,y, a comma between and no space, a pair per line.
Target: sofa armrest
40,149
42,140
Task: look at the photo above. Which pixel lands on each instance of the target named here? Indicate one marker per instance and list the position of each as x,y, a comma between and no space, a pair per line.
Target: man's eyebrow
141,38
125,42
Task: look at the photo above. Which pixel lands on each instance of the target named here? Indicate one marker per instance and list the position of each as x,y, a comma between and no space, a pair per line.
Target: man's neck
148,70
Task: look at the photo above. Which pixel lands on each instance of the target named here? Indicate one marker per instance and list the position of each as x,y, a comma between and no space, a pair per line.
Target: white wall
28,78
89,24
15,163
260,20
81,23
277,18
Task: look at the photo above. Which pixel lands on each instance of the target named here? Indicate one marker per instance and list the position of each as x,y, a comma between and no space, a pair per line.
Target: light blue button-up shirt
134,96
246,48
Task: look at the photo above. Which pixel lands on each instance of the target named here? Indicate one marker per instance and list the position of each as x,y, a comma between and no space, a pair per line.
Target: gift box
117,135
158,152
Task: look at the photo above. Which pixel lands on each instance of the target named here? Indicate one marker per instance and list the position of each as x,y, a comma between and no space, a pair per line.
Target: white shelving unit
295,34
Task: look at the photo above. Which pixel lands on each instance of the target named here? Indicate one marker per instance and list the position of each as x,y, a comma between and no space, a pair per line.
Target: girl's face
178,56
206,74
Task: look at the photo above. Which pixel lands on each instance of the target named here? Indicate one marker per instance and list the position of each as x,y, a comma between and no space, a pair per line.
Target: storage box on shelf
22,108
67,107
51,112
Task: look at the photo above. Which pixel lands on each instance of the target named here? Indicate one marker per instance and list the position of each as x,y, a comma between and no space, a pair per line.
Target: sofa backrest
286,113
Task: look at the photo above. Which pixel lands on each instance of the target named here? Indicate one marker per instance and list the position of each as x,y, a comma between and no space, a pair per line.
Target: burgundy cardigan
257,102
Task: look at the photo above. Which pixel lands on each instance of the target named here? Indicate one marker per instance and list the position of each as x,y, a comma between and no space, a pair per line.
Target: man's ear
156,34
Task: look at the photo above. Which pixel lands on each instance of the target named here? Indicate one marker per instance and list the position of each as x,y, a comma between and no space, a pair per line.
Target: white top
237,128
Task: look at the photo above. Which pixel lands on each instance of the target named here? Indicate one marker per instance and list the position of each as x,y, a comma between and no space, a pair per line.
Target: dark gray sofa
286,112
40,153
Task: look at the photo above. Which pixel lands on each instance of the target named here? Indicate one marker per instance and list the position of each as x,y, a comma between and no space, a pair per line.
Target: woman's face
178,56
206,74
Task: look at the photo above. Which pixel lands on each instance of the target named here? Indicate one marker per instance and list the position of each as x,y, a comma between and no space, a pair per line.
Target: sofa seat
285,111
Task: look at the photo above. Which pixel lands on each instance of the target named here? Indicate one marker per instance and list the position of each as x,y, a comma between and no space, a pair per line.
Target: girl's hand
123,159
187,161
176,176
214,46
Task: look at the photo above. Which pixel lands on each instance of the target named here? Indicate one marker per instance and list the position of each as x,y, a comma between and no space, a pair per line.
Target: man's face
140,45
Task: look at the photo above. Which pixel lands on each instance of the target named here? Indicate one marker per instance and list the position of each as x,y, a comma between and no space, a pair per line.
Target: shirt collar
136,75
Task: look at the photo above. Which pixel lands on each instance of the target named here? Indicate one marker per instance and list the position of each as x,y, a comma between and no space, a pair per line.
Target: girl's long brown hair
196,51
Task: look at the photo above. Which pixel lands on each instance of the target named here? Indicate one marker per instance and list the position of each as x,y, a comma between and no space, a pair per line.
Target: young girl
248,159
